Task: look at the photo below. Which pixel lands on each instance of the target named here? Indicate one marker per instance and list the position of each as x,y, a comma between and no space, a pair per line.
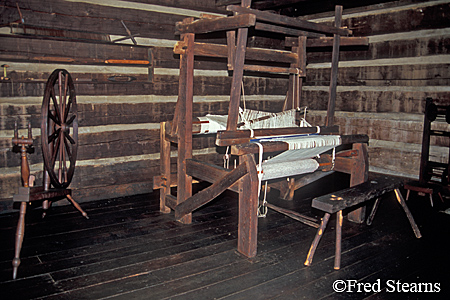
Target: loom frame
244,179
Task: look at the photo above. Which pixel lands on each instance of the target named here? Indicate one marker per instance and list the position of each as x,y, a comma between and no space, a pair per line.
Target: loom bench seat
352,197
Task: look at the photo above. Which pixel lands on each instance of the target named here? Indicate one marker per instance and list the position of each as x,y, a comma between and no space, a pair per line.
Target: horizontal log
65,34
216,24
70,60
328,41
32,46
434,15
101,19
277,70
288,21
285,30
216,50
165,85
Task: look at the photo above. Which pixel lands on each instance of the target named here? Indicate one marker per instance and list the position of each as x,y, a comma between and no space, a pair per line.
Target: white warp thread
277,120
214,123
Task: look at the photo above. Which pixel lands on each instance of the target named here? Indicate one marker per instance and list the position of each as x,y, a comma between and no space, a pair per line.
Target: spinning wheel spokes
59,128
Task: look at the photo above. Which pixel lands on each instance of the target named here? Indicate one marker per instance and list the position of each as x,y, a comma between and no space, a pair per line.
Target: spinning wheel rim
59,128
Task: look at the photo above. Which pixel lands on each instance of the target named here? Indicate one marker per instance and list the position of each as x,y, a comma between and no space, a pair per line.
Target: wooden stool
423,188
350,197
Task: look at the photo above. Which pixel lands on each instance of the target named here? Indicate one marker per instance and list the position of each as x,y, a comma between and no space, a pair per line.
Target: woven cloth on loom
252,119
298,159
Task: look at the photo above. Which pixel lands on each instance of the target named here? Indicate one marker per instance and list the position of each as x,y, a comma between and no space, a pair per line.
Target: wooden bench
423,188
351,197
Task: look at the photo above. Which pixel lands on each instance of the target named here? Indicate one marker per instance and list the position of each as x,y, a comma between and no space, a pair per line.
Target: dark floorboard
129,250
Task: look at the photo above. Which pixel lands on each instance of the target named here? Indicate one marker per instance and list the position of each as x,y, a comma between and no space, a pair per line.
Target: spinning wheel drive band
59,128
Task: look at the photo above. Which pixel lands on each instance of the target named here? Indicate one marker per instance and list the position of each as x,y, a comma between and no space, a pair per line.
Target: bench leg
372,213
323,225
337,256
408,213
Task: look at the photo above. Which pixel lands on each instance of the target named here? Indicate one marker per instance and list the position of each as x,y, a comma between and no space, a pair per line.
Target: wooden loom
244,178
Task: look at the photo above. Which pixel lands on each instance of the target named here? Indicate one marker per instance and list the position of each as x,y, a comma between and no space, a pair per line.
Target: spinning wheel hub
65,128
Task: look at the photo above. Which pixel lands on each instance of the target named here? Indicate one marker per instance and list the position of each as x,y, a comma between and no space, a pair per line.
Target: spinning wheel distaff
59,140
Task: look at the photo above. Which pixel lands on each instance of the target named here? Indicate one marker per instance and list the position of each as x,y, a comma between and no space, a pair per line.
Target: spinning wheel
59,139
59,128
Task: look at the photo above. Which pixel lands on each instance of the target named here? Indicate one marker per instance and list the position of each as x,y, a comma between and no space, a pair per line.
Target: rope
226,159
262,209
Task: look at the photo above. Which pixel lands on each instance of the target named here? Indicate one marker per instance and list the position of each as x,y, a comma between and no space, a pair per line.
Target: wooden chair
433,176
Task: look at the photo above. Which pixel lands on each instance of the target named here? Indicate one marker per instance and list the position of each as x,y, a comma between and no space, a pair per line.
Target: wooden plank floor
129,250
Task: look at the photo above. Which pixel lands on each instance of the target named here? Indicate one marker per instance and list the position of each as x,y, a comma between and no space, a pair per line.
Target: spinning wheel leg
77,206
20,232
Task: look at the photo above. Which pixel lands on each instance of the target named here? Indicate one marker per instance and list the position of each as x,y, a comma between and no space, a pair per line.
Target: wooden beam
208,194
184,136
221,51
285,30
71,60
282,146
334,69
328,41
226,138
288,21
236,82
207,172
276,70
219,24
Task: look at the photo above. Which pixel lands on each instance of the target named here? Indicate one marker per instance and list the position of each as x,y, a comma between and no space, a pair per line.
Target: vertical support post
184,136
425,144
231,47
359,174
296,80
165,168
334,69
238,74
248,208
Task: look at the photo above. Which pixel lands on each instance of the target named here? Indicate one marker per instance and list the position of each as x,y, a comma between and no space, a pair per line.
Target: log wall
381,90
